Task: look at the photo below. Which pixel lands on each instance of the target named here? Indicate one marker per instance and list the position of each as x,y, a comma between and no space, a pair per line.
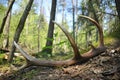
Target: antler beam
101,40
72,41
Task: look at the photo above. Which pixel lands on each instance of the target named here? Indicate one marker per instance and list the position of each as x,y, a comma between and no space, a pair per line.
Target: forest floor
103,67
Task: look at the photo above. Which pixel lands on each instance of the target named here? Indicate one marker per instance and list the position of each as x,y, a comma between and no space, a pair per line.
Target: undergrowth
5,67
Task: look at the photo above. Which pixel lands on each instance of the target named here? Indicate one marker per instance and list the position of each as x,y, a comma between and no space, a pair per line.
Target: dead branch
3,50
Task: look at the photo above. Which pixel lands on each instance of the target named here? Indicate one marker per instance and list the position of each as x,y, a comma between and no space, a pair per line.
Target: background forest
36,33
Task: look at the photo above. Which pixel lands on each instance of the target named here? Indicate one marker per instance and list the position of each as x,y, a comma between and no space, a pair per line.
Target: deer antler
101,48
101,41
72,41
77,57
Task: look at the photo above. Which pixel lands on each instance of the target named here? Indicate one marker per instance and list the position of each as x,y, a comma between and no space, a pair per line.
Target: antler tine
22,51
72,41
101,41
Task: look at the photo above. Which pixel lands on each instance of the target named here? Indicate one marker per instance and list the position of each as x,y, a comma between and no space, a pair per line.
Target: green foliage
47,47
49,39
2,12
62,49
1,39
29,36
116,33
56,34
18,61
61,43
109,40
62,56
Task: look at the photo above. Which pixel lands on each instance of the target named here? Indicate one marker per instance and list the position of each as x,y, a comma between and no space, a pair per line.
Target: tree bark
39,25
73,14
6,30
49,42
5,17
20,28
117,2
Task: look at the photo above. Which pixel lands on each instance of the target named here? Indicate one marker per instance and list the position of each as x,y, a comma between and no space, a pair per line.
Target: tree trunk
63,4
73,14
86,39
6,30
117,2
95,17
49,42
20,28
77,27
39,25
5,17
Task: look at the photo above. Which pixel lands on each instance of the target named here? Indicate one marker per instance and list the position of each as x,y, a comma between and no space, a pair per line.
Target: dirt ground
103,67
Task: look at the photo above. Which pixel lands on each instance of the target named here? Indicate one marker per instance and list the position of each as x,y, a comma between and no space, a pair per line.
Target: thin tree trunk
63,17
5,17
90,35
117,2
95,17
49,42
39,26
76,30
73,7
6,30
39,37
86,38
62,2
20,28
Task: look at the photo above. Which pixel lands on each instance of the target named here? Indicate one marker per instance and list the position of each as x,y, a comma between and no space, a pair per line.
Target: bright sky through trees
46,6
46,9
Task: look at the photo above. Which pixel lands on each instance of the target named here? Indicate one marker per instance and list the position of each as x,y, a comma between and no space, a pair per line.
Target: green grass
109,40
